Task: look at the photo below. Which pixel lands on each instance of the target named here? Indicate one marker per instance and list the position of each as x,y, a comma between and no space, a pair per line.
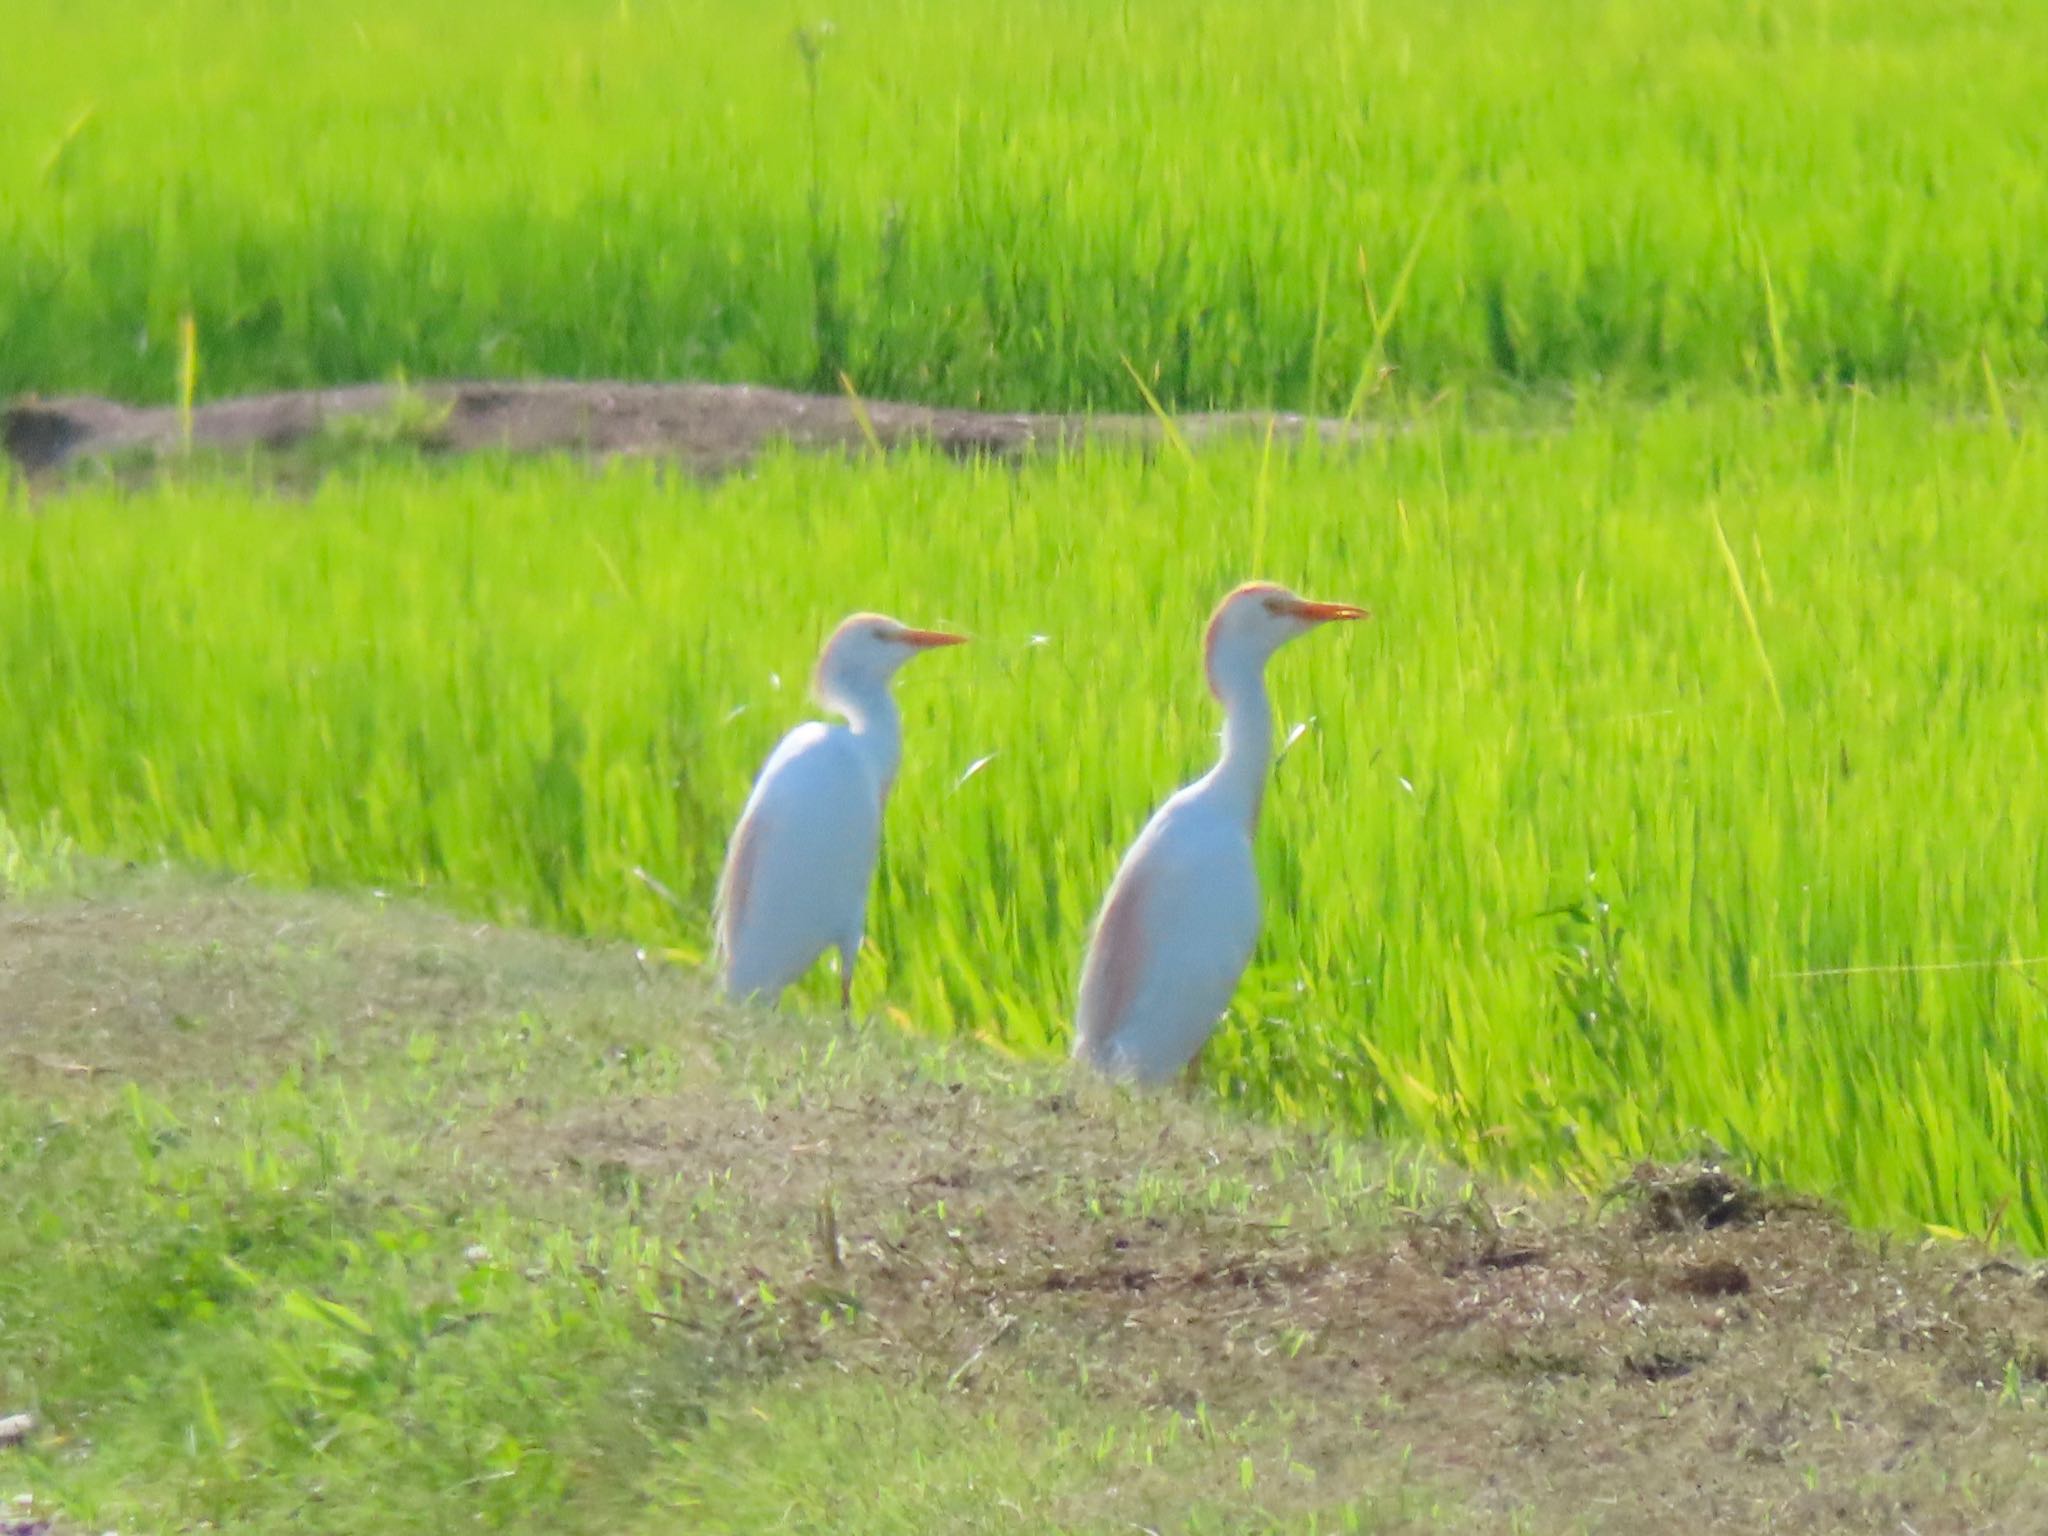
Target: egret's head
1255,621
865,651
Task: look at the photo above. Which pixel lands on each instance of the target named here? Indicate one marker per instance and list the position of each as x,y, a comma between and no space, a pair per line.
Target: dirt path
711,428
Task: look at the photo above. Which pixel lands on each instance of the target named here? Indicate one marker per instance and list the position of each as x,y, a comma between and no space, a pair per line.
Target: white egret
802,858
1182,914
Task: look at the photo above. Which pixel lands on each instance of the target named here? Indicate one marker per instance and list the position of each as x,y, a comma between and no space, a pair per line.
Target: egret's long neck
877,726
1238,781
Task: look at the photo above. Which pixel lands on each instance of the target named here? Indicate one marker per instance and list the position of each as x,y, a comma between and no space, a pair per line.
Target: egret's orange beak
927,639
1325,613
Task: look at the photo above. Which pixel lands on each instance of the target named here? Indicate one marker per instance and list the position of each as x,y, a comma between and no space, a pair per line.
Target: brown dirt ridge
707,428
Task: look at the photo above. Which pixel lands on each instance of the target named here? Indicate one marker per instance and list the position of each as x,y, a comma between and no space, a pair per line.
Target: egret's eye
1273,605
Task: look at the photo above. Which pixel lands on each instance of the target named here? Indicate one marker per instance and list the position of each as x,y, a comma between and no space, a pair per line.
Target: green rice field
1001,203
1686,794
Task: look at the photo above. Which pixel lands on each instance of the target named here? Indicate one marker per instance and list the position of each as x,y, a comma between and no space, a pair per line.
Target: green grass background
1000,202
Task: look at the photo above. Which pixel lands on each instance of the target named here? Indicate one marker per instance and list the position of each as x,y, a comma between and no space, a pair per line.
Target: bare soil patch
1692,1354
1548,1366
708,428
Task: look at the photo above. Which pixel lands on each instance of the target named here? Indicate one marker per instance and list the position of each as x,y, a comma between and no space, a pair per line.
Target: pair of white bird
1178,926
